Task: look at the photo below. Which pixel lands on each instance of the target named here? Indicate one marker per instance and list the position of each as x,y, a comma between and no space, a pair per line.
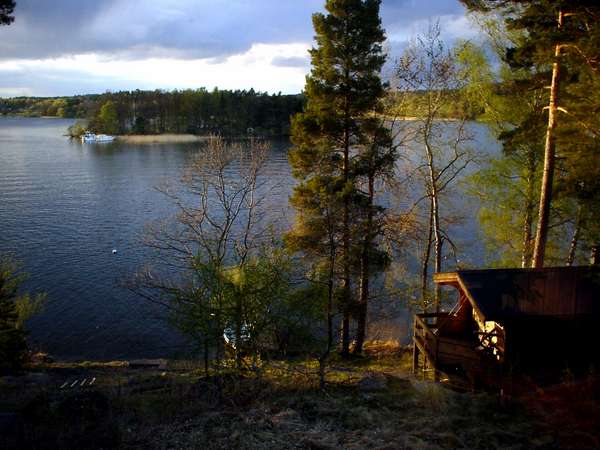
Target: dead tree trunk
549,155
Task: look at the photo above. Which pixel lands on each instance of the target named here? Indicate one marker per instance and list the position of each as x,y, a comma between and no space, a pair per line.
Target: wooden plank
445,277
424,326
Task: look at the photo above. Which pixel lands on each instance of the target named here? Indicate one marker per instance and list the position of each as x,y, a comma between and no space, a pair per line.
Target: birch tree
428,68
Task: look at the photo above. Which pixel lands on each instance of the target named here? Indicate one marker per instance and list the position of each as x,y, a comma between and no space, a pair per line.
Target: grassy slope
284,409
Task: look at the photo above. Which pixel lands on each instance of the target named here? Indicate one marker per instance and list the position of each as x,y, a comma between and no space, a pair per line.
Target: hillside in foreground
372,402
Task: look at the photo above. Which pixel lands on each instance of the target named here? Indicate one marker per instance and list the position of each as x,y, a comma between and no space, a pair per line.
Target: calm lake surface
64,206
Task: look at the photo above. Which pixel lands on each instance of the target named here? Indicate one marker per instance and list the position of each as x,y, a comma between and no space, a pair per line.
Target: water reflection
64,206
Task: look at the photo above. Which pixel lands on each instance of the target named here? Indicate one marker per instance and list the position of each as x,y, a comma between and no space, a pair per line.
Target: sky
70,47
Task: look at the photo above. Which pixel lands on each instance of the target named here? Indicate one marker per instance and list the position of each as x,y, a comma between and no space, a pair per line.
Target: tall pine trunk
330,287
365,274
345,351
541,236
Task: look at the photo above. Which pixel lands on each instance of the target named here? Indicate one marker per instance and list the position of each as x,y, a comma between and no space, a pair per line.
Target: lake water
64,206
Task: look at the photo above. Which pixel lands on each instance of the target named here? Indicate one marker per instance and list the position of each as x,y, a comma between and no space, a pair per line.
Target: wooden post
415,358
434,362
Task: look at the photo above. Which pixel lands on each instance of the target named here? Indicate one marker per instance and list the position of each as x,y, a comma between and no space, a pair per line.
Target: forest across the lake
198,111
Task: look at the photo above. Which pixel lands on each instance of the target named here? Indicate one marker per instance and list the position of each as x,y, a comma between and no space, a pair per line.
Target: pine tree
13,347
342,88
561,44
6,9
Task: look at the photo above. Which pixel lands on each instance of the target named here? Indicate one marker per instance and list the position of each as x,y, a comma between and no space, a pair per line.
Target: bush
14,310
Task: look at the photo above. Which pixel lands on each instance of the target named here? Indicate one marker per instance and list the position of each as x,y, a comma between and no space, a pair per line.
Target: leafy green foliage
77,129
15,309
531,34
108,121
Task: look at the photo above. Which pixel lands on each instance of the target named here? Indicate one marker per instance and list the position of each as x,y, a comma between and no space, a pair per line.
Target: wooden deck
450,357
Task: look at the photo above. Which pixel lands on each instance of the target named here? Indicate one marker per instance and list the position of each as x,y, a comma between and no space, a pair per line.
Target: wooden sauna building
512,321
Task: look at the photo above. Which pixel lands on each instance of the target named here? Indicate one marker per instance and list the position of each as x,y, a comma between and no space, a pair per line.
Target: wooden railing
426,340
492,343
435,349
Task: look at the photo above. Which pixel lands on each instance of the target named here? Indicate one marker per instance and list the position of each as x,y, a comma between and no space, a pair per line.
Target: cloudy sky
65,47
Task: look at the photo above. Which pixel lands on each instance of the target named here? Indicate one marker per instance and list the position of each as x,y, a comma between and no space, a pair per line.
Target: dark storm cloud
136,29
139,29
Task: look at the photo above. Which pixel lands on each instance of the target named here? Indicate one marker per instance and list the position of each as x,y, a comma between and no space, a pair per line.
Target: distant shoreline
168,138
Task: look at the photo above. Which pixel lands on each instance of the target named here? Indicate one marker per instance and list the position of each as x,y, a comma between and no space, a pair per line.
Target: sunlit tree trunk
529,208
541,236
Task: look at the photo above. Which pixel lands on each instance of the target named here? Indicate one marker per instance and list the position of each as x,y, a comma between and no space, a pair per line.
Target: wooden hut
512,321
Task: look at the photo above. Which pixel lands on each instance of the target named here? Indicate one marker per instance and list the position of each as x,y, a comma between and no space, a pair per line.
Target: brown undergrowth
370,402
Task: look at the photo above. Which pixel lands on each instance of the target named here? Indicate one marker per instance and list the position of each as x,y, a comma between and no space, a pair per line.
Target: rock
373,382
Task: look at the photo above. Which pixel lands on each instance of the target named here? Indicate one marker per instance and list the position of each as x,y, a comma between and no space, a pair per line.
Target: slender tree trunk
437,239
549,154
575,237
330,286
425,261
365,274
346,248
529,207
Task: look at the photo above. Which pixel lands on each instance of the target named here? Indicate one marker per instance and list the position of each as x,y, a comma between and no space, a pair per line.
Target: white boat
89,137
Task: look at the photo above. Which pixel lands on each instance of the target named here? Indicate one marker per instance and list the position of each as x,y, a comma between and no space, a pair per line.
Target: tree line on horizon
195,111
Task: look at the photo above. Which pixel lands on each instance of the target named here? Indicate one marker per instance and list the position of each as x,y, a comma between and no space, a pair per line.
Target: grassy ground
371,402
